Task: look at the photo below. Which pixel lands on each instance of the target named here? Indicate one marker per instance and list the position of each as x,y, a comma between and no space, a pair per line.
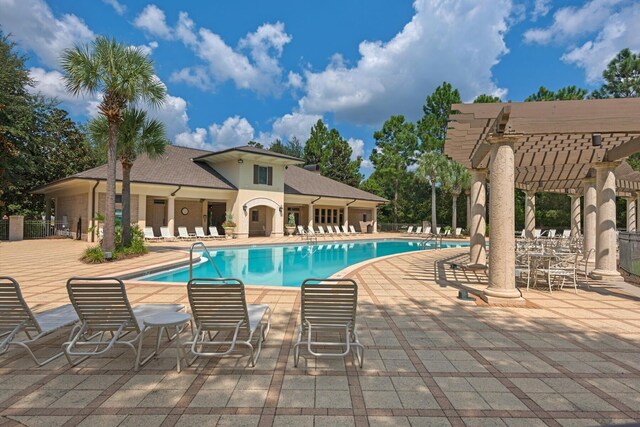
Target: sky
260,70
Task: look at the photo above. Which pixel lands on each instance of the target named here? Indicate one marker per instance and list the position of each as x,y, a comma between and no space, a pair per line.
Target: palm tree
430,167
123,75
137,135
455,180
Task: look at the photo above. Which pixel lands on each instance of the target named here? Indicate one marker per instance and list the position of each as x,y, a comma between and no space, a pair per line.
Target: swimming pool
289,265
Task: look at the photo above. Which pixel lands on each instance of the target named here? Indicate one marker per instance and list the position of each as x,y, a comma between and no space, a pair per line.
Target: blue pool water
289,265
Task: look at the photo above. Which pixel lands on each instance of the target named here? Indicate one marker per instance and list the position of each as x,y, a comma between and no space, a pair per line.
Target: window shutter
269,175
256,174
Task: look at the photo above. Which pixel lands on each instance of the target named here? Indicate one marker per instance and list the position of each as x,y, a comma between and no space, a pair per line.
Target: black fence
629,252
4,229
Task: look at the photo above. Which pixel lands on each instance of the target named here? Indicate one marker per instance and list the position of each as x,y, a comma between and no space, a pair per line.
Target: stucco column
345,218
631,214
16,228
478,224
575,215
311,216
502,259
375,219
91,236
171,207
606,245
590,217
142,211
467,194
529,213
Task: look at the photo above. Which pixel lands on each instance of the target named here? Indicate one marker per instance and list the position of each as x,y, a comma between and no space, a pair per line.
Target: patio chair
562,266
418,230
149,236
321,231
353,230
523,234
345,230
213,232
16,318
328,305
183,234
301,231
220,306
438,230
566,234
103,307
537,233
523,265
458,231
427,231
409,230
200,233
164,232
330,231
551,234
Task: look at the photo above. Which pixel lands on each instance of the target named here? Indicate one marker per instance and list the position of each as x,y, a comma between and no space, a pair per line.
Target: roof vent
313,168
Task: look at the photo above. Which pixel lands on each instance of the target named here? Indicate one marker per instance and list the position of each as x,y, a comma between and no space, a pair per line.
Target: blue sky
261,70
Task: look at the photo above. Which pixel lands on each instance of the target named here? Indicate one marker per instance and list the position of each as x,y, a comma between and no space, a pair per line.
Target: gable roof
174,167
250,150
301,181
180,166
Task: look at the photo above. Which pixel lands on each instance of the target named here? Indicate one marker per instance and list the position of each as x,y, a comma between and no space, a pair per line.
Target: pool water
289,265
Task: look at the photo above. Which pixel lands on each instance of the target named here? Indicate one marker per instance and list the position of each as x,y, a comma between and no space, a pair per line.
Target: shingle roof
180,166
301,181
174,167
250,149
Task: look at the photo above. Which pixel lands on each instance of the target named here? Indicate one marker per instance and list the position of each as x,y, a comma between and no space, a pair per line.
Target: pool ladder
437,239
205,251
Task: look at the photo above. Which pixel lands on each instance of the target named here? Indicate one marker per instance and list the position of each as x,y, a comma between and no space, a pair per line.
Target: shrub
93,255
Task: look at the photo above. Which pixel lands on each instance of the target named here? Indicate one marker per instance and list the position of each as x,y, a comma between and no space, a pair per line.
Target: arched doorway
260,217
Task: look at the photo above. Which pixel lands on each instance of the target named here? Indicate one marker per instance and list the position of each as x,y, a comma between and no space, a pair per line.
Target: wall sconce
240,161
281,209
244,208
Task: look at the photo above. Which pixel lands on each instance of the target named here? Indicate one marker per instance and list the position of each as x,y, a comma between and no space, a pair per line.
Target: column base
474,267
605,275
503,297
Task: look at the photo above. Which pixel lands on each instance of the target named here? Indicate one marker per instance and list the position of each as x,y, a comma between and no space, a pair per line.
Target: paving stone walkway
565,359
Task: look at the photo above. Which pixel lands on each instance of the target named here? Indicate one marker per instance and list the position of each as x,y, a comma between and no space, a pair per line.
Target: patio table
164,321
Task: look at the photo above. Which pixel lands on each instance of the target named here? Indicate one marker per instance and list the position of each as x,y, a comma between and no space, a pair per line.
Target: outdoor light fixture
596,139
281,209
244,208
240,161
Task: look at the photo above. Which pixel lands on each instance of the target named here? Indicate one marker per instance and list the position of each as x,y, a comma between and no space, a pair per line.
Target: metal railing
42,229
208,255
629,252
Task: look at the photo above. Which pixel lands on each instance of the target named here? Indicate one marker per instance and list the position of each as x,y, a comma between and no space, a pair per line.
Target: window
262,175
335,216
364,217
317,215
323,216
255,215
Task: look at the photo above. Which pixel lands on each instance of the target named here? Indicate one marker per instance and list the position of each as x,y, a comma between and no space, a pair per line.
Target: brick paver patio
565,359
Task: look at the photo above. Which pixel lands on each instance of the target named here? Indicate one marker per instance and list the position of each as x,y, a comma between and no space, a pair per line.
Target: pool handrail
213,263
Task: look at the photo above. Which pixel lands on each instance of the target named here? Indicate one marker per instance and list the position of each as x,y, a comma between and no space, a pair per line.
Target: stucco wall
356,216
73,207
192,219
134,205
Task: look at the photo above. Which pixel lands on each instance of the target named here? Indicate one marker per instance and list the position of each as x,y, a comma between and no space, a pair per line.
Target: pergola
572,147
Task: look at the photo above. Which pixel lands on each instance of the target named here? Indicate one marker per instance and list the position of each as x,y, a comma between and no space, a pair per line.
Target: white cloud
572,22
148,49
195,139
540,8
153,21
232,132
594,33
193,76
34,27
290,125
51,85
117,6
394,77
294,80
357,146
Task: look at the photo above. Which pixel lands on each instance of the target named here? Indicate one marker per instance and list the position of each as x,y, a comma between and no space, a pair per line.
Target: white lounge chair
523,233
17,319
537,233
328,305
321,231
551,234
219,305
353,230
200,233
409,230
438,230
458,231
418,230
103,307
566,234
345,230
213,232
149,236
332,232
301,231
164,232
427,231
183,234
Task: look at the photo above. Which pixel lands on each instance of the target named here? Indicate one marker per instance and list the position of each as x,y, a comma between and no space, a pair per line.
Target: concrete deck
565,359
